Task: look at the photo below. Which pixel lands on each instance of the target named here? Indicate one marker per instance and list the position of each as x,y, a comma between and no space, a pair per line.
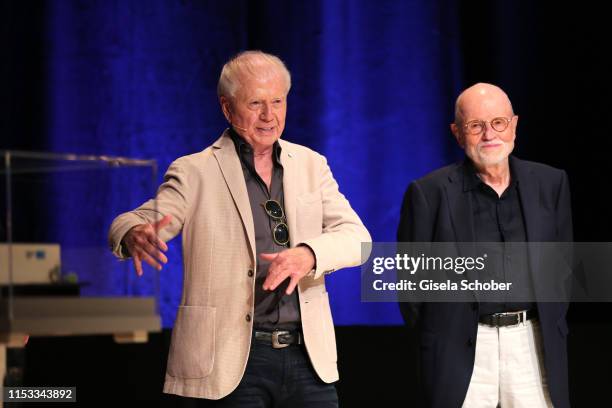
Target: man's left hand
294,263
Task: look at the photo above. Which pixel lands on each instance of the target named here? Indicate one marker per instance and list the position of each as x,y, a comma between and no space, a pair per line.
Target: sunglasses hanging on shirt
280,232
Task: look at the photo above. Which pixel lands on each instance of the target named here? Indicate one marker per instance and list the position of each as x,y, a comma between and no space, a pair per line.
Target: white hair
250,64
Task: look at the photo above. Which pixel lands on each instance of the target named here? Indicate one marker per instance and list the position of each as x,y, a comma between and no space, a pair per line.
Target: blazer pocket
192,348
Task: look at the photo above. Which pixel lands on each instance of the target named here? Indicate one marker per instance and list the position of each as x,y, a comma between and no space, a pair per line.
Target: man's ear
514,123
226,108
458,135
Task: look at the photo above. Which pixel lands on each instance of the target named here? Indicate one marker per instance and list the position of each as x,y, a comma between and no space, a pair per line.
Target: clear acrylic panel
56,210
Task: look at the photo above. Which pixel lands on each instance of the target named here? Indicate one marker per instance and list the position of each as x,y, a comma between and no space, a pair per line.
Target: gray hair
250,64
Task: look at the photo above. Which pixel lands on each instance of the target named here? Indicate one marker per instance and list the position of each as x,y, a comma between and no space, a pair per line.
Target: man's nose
488,133
266,112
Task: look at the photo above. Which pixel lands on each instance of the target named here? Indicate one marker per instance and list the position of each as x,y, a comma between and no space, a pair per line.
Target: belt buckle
275,343
517,315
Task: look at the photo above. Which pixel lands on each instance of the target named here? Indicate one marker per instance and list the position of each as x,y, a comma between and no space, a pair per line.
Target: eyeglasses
280,233
476,127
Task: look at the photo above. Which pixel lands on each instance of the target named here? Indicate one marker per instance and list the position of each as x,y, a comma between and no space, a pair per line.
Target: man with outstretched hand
262,222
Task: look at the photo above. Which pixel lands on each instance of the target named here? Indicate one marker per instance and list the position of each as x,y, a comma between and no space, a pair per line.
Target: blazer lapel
225,153
287,160
460,206
462,217
529,196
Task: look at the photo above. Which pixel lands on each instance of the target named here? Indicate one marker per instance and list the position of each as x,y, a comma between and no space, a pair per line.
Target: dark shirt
273,309
500,220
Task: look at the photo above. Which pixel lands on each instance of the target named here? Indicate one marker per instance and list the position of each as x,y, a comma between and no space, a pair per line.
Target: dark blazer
437,208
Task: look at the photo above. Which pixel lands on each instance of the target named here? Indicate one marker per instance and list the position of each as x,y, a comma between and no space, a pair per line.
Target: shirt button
248,317
250,273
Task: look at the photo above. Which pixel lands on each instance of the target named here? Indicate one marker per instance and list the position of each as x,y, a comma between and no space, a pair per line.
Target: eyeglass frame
485,122
281,218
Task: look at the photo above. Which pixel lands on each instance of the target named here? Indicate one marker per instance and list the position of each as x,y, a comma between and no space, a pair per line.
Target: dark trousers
277,378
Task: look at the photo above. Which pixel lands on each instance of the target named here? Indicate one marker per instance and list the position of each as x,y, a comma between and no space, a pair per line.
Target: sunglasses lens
274,209
281,234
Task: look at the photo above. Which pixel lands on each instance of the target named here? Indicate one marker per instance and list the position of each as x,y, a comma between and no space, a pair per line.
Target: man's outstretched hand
294,263
143,244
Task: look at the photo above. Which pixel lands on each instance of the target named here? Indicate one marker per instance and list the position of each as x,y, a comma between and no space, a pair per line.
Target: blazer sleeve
414,226
343,234
172,198
565,235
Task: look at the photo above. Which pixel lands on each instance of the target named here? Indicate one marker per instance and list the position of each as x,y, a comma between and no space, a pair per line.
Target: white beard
492,158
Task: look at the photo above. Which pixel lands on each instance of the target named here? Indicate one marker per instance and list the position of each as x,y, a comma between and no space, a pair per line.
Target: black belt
507,319
279,338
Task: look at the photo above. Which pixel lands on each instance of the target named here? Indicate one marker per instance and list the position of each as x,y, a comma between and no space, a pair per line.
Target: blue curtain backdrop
373,90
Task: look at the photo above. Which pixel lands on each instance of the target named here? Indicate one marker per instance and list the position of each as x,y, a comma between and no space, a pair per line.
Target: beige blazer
207,197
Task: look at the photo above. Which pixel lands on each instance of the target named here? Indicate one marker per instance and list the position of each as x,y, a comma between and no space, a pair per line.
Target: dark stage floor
378,366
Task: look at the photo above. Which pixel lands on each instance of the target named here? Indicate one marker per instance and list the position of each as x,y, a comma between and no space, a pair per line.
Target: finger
150,261
276,271
161,244
267,282
292,285
137,264
151,239
273,271
154,252
150,233
276,279
273,284
163,223
268,257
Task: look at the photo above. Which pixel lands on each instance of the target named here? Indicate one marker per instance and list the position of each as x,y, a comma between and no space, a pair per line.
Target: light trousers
508,368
